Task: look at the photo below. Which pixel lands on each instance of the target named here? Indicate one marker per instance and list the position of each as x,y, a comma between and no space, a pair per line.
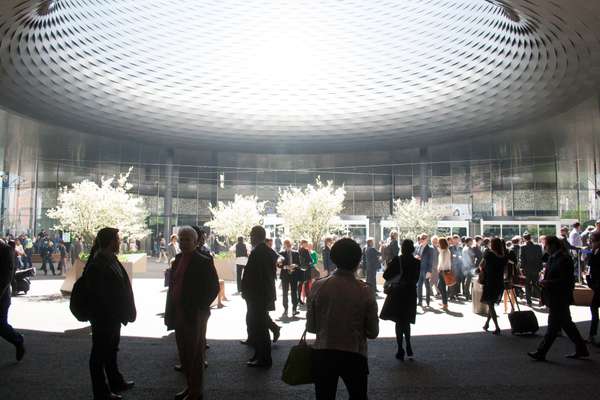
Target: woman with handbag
444,266
400,305
492,267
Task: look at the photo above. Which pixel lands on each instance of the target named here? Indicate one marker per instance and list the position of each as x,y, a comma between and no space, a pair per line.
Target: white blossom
236,218
308,213
413,217
86,207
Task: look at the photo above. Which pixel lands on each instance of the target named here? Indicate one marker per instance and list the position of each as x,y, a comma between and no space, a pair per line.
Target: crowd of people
341,308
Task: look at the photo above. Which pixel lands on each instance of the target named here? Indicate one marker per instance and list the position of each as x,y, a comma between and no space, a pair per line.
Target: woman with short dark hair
342,311
400,305
492,267
111,304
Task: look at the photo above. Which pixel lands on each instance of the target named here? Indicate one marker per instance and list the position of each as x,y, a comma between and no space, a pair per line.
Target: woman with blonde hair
444,265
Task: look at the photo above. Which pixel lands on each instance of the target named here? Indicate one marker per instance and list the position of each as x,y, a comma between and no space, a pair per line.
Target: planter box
136,263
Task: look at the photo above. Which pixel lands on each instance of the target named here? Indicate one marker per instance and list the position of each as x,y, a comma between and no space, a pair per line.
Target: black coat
258,282
531,259
295,259
594,277
109,290
559,281
200,288
493,282
401,304
7,267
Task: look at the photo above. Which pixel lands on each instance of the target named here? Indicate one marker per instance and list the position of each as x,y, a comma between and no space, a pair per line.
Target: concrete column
168,198
423,175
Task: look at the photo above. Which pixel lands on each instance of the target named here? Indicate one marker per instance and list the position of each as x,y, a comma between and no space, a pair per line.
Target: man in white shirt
575,236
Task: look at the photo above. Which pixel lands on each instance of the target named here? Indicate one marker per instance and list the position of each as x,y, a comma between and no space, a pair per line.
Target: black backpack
79,303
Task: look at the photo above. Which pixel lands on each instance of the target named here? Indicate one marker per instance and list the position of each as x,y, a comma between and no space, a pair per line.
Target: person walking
305,263
342,312
62,263
594,283
241,258
371,263
328,265
557,293
444,265
258,289
111,302
400,305
7,270
162,245
288,274
425,254
492,267
194,287
531,263
173,249
468,260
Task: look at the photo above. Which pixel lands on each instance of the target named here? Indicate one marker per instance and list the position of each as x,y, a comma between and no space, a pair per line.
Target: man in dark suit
594,283
7,270
425,254
289,266
371,263
258,289
557,293
392,249
531,263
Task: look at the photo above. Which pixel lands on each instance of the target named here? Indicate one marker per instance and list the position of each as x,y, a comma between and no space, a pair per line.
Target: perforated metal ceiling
295,74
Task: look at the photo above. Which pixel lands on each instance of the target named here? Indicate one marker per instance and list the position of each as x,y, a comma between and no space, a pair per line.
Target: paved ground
454,359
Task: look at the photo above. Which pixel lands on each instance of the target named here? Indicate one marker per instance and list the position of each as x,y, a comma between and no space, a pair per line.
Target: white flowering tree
86,207
309,212
236,218
413,217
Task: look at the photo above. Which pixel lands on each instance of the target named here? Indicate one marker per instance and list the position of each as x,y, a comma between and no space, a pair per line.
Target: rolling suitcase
523,322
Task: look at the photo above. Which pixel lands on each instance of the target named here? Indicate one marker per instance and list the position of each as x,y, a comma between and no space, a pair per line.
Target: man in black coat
241,256
531,263
7,270
594,284
425,254
258,289
557,292
289,266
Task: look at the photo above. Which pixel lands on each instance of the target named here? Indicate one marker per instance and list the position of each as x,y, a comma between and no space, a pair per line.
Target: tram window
491,230
510,231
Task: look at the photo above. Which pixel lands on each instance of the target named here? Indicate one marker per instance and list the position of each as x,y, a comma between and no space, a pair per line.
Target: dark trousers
62,264
103,358
442,288
403,331
466,285
289,282
47,260
258,321
239,269
330,365
423,281
560,318
27,259
6,331
530,281
594,309
372,277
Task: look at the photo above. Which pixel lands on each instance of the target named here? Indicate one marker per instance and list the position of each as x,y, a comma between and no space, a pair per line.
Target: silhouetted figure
425,253
531,264
557,294
328,265
493,265
594,283
400,304
258,289
444,265
111,304
241,258
342,311
194,287
289,275
371,263
7,270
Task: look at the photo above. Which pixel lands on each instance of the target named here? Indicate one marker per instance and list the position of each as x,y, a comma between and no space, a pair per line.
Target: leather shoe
182,395
20,351
258,364
178,367
536,355
581,353
276,334
124,386
109,396
244,342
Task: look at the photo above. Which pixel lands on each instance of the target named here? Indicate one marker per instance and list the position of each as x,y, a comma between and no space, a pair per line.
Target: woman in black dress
493,265
400,304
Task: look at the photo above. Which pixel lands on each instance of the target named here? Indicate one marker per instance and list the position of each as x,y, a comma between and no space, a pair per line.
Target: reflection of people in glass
456,212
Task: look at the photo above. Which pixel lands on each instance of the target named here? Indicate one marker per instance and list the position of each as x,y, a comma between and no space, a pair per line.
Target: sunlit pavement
455,359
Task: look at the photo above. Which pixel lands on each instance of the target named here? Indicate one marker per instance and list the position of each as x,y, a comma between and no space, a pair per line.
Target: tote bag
298,366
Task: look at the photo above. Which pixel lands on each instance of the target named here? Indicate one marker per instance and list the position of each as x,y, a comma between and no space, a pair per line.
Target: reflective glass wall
545,169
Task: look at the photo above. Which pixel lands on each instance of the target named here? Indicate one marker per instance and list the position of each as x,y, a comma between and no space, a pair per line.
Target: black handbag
390,285
298,366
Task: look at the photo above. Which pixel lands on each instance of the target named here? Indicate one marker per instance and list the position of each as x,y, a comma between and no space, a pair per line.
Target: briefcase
582,296
523,322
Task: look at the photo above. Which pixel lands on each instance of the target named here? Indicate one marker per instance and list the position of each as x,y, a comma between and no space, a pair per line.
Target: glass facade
545,169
